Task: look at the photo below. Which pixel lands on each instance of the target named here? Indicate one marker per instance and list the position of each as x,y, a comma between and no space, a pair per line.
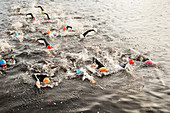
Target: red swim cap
33,18
64,28
131,61
48,47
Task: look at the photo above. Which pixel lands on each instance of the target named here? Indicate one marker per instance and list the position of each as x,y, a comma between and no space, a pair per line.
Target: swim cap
15,35
131,61
102,69
149,62
48,47
42,11
78,71
2,62
33,18
46,80
64,28
123,65
48,31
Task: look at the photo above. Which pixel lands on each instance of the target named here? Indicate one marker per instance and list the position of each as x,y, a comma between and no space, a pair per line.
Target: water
140,25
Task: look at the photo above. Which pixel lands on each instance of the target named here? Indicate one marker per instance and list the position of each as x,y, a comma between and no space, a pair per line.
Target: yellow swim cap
42,11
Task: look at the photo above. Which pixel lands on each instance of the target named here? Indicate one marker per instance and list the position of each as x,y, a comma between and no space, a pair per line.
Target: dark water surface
141,25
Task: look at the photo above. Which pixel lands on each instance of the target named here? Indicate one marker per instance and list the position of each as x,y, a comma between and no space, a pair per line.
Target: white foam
4,46
81,36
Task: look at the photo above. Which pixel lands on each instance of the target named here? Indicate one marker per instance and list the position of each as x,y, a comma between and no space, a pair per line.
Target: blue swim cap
2,62
79,71
15,35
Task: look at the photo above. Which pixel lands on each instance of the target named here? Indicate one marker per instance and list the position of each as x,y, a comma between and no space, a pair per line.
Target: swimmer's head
95,30
3,63
150,63
131,61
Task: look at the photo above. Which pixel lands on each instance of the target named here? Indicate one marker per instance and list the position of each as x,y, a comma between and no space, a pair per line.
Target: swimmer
47,16
33,18
85,75
129,68
95,61
82,36
144,59
67,28
47,33
3,64
99,69
42,81
42,40
42,10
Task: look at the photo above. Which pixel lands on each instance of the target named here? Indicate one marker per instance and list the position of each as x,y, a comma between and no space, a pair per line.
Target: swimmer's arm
132,74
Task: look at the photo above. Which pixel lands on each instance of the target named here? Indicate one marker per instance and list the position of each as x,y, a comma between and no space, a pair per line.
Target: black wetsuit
30,14
41,8
47,16
40,77
44,41
68,27
84,34
98,63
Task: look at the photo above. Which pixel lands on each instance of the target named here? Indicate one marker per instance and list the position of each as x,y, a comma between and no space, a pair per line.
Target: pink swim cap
149,62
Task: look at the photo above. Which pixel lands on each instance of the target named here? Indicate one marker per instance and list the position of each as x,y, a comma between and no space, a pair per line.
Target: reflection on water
141,25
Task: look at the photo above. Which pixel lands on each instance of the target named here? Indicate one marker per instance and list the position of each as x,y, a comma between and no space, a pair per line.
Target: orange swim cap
46,80
48,31
102,69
